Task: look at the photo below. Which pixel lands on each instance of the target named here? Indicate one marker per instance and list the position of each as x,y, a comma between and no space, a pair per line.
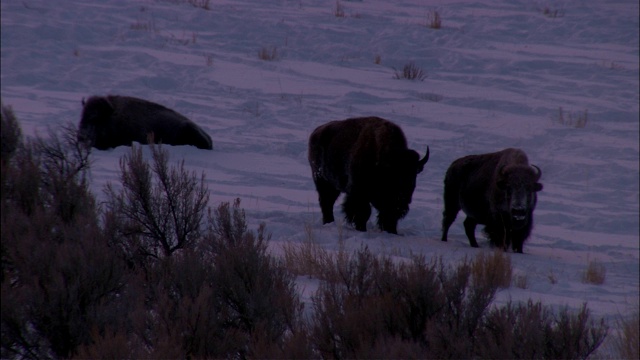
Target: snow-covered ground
563,86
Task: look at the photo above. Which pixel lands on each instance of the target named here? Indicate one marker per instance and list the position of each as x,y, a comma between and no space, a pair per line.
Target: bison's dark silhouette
110,121
497,190
368,159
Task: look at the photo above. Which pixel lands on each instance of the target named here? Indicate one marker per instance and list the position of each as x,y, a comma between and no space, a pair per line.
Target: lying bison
497,190
110,121
368,159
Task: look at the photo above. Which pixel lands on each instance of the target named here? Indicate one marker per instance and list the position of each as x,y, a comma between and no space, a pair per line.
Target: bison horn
538,171
425,158
422,162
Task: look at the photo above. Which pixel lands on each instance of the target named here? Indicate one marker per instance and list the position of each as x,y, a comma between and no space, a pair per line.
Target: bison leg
451,209
448,216
498,236
470,230
517,248
388,222
327,195
356,211
518,238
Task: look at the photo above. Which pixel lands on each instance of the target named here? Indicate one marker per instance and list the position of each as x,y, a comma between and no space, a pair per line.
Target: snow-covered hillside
558,79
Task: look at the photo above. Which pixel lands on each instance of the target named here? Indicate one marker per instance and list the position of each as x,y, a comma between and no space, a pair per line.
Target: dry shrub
627,342
521,281
71,289
494,270
256,293
309,258
532,331
339,10
595,273
552,13
375,307
60,280
10,133
140,25
159,209
208,59
410,72
268,53
67,290
430,97
574,335
434,21
202,4
424,308
576,120
222,297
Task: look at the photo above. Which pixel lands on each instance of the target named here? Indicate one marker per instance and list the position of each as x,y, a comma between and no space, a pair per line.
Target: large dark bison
497,190
110,121
368,159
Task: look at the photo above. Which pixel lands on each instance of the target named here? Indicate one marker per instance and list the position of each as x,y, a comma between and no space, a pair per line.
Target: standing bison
112,121
368,159
497,190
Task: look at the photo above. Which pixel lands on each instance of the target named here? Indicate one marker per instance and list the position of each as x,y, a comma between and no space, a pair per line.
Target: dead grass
144,25
627,342
521,281
494,270
612,65
309,258
552,12
410,71
434,21
576,119
268,53
208,59
430,97
339,10
203,4
595,273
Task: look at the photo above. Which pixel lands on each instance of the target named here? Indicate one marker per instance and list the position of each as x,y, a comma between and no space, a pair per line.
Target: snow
499,74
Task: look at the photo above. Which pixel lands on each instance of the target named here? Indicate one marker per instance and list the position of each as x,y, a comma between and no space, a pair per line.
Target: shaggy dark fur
110,121
497,190
368,159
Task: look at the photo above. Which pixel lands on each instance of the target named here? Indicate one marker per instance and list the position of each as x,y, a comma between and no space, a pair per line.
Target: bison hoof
327,220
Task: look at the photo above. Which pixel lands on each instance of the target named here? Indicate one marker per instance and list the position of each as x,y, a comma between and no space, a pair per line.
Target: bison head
95,123
519,184
397,183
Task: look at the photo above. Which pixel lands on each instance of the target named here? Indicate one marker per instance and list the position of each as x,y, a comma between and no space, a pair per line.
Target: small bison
368,159
110,121
497,190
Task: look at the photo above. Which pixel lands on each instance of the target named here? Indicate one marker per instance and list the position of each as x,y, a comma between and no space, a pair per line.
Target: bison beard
497,190
368,159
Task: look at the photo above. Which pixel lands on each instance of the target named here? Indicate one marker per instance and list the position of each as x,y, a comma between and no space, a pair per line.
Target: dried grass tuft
595,273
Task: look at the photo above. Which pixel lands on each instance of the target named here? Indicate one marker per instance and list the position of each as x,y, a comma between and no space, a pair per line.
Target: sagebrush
156,273
410,71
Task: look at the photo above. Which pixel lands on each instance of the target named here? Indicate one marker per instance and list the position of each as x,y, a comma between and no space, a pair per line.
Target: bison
110,121
497,190
368,159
